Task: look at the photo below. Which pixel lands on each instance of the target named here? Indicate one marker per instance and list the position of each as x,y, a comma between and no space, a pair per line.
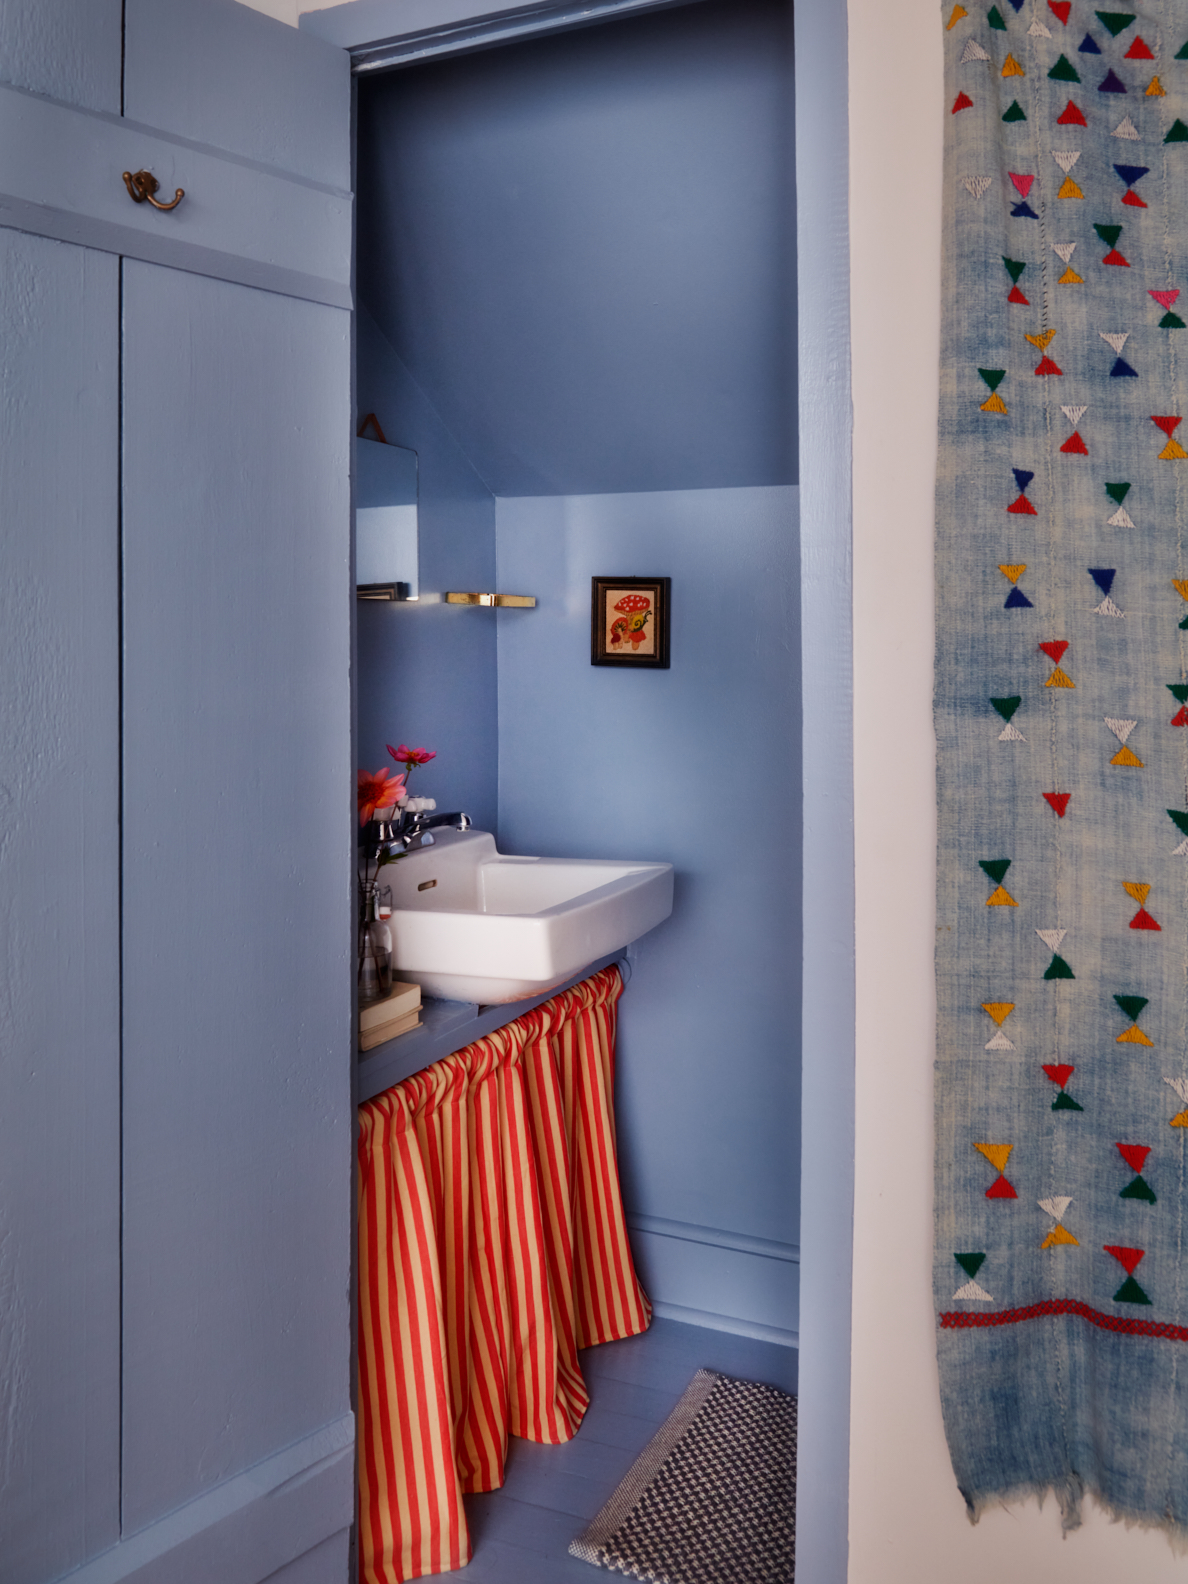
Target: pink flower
411,756
378,790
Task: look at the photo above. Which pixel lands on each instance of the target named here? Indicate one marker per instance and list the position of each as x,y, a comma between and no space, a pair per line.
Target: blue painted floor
521,1533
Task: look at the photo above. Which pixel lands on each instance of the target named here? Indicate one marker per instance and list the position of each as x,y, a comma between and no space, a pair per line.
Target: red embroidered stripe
955,1321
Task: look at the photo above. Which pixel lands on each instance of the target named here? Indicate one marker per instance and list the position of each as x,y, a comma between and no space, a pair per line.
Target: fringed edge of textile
1070,1498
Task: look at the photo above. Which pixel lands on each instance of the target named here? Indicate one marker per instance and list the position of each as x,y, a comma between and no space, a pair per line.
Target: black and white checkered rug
712,1498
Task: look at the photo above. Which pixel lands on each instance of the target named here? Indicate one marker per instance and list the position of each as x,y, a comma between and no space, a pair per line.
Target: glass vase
375,953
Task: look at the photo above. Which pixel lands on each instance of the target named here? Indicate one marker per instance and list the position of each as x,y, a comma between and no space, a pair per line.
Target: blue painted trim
247,1527
747,1328
827,1139
714,1237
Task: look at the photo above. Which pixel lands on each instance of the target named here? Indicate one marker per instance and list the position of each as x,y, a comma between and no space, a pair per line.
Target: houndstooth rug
712,1498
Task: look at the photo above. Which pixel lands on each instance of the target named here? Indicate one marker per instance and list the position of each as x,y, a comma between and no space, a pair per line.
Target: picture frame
629,621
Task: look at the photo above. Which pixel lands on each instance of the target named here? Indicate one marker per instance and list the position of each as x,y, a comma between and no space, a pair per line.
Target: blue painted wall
583,249
698,765
427,670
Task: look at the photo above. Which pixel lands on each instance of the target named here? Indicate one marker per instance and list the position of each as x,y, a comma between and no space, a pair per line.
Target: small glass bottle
375,949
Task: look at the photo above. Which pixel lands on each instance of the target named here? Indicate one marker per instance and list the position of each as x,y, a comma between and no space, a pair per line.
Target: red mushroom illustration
618,631
637,609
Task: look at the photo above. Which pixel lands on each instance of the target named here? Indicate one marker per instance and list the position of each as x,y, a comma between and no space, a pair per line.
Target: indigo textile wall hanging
1062,720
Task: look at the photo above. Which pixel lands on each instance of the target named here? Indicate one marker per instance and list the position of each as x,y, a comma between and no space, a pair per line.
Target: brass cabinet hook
143,185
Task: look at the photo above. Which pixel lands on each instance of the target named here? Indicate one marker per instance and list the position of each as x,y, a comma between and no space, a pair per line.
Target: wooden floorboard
521,1533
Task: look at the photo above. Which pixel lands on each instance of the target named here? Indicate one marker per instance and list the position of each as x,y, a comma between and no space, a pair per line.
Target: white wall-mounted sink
471,924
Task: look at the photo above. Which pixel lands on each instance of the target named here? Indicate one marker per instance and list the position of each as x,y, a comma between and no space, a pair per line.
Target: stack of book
395,1014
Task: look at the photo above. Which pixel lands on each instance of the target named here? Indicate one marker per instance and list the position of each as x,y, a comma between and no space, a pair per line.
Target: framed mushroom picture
629,623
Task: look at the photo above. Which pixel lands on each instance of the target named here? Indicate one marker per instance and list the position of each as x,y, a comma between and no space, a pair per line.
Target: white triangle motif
1115,338
1126,129
1038,30
1074,414
973,51
972,1293
1011,733
1055,1207
1052,938
1180,1085
1064,250
1066,158
1120,728
1182,850
976,186
999,1042
1107,608
1120,519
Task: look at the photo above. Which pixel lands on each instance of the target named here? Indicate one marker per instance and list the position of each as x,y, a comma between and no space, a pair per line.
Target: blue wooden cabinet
175,797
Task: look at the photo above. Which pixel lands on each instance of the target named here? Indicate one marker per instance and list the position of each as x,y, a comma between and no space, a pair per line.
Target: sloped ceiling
583,248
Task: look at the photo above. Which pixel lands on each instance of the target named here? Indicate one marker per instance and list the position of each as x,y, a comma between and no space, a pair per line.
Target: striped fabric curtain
492,1246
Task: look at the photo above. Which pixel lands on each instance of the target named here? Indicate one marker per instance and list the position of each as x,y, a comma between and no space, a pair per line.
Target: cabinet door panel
236,879
67,49
59,900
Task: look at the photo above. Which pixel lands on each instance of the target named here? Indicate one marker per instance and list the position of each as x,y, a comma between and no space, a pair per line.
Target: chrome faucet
412,829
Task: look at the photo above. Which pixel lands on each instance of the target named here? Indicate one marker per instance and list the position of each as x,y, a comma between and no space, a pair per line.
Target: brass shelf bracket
519,601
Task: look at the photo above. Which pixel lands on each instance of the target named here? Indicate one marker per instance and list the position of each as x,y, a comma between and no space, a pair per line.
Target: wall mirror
385,521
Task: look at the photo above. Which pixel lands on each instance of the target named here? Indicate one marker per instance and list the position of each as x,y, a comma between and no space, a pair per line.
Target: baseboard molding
250,1526
716,1322
724,1280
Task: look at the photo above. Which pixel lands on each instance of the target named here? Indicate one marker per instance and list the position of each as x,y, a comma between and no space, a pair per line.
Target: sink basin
472,924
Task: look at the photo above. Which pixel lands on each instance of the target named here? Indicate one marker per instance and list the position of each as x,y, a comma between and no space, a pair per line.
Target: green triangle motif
1177,132
1131,1292
1064,71
1015,268
1065,1102
1138,1189
1117,492
1179,820
1172,321
996,868
1058,969
1015,113
971,1264
994,18
1184,623
993,377
1006,707
1131,1005
1109,234
1115,21
1182,52
1178,691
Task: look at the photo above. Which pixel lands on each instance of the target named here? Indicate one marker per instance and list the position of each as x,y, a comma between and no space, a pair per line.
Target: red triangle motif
1018,297
1048,367
1139,50
1133,199
1114,257
1054,649
1135,1156
1060,8
1164,298
1023,507
1143,920
1168,424
1071,116
1180,718
1022,183
1001,1189
1058,801
1060,1073
1075,446
962,102
1128,1258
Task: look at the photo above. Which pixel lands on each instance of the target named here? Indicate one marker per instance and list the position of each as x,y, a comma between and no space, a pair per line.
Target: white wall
907,1521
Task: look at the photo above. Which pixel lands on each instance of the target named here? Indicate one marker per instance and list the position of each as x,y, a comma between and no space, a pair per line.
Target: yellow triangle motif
1179,1120
1058,679
1059,1235
959,11
1071,278
1125,757
1001,898
1043,340
1173,451
996,1154
1011,68
1134,1036
1069,189
1140,893
1155,89
999,1010
1013,572
1181,587
994,403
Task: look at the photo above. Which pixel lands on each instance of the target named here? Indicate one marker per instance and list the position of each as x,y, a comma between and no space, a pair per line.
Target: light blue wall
699,765
583,249
427,670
